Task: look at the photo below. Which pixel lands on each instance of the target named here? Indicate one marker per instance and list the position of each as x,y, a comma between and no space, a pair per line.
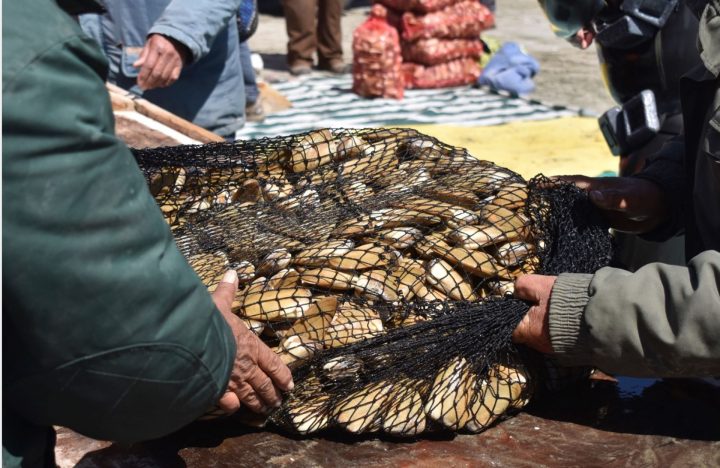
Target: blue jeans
251,89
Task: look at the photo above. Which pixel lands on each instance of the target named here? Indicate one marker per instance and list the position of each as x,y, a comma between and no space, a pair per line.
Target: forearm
662,320
129,394
195,23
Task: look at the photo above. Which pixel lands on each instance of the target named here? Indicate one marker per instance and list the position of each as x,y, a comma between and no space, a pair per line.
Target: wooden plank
120,102
149,109
124,100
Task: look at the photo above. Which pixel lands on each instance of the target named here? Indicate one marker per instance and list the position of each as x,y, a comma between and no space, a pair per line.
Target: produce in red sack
377,58
435,51
394,19
419,6
454,73
462,20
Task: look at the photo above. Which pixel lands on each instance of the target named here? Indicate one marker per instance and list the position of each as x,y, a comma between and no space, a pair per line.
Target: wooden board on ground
139,131
142,124
273,101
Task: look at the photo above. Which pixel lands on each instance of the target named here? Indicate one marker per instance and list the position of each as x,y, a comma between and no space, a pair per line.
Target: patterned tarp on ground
321,101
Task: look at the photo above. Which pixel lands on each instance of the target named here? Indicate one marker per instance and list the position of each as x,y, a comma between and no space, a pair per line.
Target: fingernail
230,277
291,386
265,410
277,404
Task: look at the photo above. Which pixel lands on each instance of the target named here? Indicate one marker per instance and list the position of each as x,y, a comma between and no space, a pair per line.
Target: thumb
519,335
225,291
525,288
141,60
229,403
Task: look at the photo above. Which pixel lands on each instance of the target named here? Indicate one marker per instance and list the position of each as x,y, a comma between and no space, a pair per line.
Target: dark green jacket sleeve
661,321
106,328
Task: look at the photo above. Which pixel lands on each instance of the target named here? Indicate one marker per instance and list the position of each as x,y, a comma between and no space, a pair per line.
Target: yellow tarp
571,145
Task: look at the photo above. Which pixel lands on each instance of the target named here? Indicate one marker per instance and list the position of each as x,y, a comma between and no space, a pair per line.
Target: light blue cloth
210,91
510,69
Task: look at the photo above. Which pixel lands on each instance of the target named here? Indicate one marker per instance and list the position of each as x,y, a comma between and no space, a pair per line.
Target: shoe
298,69
255,112
335,66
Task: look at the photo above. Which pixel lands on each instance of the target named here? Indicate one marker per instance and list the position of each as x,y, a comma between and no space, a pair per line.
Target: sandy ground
568,76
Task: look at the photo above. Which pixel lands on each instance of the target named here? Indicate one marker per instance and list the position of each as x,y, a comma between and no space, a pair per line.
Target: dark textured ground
639,423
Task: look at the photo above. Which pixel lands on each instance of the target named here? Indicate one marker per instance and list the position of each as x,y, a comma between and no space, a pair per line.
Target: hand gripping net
379,265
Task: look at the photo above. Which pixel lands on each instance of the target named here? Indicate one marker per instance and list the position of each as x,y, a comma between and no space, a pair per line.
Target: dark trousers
313,25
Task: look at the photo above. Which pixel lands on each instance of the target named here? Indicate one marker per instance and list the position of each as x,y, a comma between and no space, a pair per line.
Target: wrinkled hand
534,329
629,204
258,375
160,62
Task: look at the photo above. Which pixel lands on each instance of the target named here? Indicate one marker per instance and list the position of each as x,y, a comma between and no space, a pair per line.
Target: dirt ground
568,76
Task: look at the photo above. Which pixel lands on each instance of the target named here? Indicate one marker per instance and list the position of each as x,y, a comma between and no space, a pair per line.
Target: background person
314,26
182,55
651,56
663,320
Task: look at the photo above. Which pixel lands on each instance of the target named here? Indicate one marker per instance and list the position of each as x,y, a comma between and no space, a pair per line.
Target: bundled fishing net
379,264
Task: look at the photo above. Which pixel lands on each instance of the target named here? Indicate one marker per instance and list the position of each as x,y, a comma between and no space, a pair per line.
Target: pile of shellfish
333,233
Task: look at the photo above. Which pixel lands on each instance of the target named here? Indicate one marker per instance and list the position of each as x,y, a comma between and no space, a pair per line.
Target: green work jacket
105,327
663,320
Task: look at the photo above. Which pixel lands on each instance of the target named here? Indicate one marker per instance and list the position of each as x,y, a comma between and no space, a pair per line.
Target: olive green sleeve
663,320
106,328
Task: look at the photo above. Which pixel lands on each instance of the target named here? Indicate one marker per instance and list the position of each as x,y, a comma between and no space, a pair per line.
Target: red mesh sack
377,59
419,6
394,19
434,51
454,73
461,20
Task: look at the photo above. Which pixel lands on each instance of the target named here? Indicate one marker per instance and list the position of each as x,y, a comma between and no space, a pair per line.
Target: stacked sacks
440,40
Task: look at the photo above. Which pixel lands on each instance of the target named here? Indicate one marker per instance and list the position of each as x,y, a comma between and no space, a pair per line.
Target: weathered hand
534,331
629,204
160,62
258,375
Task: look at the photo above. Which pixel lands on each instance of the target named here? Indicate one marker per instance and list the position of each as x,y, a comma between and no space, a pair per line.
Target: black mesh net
379,264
